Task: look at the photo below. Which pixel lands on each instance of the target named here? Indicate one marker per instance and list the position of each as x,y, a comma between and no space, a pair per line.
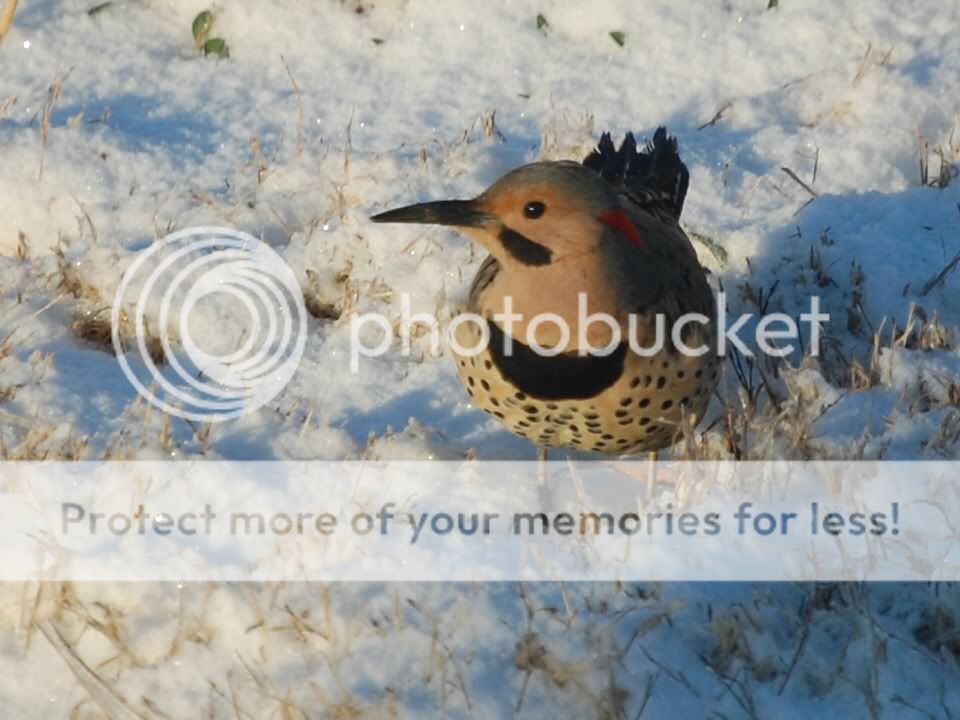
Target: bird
606,230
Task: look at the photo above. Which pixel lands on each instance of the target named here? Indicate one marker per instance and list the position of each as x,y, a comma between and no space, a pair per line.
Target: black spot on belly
562,377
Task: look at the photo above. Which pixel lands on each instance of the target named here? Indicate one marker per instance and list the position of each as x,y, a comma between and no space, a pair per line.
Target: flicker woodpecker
568,241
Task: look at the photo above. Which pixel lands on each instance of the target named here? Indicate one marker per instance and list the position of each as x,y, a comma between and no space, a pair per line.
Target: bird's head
535,216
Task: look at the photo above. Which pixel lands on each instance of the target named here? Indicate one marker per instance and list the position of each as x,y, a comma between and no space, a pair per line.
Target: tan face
537,215
545,223
544,209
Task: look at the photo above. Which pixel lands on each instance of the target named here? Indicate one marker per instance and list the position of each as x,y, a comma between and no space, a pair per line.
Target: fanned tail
655,176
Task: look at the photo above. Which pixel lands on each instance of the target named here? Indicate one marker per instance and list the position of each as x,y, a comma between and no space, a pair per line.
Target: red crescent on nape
618,220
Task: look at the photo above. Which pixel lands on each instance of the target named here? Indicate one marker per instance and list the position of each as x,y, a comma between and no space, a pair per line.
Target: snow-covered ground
805,127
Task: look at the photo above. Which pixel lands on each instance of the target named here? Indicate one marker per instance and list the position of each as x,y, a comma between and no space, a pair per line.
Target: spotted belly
639,409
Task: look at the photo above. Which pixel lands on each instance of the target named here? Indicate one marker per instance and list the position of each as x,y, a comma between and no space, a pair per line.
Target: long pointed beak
457,213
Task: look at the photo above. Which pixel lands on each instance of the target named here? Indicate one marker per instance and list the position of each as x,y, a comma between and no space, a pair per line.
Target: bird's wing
485,275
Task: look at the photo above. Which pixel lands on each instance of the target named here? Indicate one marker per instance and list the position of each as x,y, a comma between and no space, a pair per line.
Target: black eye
533,210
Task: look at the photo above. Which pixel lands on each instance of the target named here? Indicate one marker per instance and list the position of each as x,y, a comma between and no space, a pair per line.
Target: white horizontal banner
479,521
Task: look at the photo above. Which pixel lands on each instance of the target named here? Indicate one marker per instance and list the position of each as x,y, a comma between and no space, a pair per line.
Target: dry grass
939,630
577,649
41,441
598,651
329,300
565,136
768,408
46,112
6,16
943,170
94,328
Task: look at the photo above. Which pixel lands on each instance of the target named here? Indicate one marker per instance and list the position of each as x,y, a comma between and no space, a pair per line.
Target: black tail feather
655,175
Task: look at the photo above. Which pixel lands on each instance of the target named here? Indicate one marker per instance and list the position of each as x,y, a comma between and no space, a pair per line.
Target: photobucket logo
774,334
217,322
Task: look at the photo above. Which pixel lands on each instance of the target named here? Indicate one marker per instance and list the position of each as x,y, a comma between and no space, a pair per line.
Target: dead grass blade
109,701
6,17
298,147
940,276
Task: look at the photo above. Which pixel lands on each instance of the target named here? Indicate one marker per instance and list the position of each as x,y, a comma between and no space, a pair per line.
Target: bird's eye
533,210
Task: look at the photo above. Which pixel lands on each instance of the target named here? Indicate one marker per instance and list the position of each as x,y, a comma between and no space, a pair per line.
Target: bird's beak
456,213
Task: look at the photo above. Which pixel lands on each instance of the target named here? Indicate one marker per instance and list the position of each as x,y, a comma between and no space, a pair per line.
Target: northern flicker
604,233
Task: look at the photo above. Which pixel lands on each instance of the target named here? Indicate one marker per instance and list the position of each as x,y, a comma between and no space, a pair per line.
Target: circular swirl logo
209,324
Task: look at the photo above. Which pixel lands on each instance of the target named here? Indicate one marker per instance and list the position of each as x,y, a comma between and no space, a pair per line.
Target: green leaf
618,37
216,47
202,24
773,4
542,24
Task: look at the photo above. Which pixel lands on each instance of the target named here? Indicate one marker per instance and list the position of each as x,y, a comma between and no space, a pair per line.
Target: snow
142,136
